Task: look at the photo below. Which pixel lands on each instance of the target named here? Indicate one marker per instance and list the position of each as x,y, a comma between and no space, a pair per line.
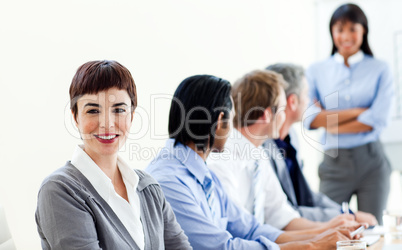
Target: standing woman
96,200
356,89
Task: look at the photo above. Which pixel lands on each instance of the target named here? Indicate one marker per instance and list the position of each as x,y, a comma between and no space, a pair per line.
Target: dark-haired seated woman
96,201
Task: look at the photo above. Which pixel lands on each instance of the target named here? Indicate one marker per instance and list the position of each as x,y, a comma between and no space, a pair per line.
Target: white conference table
382,245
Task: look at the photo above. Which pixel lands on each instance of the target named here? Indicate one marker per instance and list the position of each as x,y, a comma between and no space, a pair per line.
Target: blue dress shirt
366,83
181,172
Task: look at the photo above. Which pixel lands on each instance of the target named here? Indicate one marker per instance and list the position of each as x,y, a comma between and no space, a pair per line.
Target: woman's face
104,121
347,37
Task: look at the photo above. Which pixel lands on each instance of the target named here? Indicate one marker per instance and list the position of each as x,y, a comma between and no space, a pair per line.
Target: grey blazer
324,208
72,215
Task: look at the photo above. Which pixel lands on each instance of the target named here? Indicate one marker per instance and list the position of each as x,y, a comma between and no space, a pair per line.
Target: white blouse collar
353,59
99,180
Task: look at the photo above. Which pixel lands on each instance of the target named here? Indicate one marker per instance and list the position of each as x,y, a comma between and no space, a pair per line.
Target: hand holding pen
359,216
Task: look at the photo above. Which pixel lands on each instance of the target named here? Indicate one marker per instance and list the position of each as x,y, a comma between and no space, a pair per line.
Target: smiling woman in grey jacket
96,201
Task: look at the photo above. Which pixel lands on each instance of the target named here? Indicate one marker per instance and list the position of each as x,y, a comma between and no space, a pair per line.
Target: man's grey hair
293,75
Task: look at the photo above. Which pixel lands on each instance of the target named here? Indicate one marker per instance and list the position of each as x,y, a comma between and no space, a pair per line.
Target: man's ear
292,102
219,123
267,116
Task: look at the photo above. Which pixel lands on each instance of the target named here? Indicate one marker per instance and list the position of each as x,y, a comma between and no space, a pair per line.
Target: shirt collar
190,159
353,59
239,144
129,175
99,180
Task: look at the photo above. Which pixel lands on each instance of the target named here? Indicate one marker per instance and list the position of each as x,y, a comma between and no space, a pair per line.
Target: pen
357,231
345,207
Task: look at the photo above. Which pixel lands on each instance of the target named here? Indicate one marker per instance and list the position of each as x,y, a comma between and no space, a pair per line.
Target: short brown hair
96,76
255,92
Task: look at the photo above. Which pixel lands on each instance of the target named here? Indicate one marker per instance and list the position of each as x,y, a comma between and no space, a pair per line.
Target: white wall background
161,42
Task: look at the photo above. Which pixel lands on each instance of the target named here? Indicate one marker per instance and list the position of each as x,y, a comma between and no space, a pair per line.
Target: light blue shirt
180,171
366,83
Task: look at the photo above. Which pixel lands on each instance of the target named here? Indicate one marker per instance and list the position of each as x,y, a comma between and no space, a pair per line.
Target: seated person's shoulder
145,180
145,177
66,175
65,184
167,169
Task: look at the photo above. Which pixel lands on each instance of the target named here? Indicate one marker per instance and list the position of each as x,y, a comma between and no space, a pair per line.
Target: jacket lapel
283,175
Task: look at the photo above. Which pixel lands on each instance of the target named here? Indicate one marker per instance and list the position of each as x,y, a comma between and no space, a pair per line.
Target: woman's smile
106,138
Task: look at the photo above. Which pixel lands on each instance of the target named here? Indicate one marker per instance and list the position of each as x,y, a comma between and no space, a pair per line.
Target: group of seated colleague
229,176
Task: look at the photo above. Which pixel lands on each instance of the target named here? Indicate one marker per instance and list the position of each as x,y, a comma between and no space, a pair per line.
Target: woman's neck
346,62
107,163
346,57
